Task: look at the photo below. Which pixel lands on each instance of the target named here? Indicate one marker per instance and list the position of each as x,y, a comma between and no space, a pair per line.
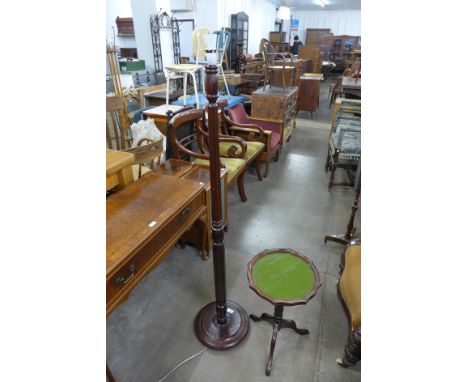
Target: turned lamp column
217,226
221,324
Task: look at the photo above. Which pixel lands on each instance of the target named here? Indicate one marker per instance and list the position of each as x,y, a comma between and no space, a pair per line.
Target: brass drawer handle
185,212
125,280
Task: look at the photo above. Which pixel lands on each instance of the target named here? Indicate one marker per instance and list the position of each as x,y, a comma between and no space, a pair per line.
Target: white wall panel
340,22
119,8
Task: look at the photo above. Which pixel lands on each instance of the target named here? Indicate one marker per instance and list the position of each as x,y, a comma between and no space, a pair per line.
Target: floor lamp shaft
217,231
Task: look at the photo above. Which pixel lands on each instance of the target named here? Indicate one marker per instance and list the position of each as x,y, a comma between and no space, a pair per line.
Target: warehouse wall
340,22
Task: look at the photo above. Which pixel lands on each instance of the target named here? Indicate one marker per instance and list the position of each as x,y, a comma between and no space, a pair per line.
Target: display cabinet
239,38
343,46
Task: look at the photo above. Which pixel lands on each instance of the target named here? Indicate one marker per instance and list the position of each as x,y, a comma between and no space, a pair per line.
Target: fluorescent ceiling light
284,13
321,3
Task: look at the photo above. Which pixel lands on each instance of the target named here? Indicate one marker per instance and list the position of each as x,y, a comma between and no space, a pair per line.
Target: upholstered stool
282,277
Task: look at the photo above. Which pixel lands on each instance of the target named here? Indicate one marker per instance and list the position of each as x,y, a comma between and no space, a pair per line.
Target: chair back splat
118,134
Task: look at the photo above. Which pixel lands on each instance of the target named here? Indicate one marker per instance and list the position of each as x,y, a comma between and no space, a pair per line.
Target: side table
282,277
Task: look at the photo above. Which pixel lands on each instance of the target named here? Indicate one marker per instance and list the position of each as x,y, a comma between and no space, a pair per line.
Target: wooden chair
146,151
349,294
117,124
184,147
240,124
335,91
270,58
344,143
255,146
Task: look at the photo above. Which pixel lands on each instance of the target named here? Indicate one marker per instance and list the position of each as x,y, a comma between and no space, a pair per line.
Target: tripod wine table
282,277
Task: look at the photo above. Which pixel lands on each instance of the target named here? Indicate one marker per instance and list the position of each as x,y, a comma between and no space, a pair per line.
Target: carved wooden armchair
349,294
239,123
194,146
254,142
271,64
344,143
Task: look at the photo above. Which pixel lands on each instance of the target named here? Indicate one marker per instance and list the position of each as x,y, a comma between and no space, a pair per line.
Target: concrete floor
153,330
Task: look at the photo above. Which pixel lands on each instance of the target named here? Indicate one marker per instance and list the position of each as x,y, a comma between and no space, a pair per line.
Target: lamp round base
221,337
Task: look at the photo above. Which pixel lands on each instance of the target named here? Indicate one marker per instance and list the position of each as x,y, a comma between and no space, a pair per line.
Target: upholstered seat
234,165
344,144
350,284
349,292
350,144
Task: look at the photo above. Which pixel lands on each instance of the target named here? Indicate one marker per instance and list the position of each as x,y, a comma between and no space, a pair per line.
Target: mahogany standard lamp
221,324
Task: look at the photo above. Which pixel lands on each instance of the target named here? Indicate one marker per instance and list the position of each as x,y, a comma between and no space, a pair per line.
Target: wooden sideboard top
131,213
117,160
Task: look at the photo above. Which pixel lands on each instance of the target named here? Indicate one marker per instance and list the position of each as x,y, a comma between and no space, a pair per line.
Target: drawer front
134,269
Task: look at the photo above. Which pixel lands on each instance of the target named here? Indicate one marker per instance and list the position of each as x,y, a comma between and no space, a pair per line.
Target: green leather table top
283,276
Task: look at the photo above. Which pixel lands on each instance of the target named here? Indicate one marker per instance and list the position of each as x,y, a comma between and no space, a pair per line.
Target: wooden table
118,169
158,97
351,86
159,115
282,277
144,221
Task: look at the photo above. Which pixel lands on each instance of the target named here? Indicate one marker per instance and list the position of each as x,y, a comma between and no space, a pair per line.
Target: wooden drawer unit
276,104
144,221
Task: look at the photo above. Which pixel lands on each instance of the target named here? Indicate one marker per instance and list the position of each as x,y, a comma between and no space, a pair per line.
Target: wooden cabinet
125,26
277,36
322,38
276,104
309,92
239,38
343,46
278,41
144,221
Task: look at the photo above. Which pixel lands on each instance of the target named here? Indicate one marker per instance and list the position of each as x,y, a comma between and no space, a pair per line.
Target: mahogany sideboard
144,221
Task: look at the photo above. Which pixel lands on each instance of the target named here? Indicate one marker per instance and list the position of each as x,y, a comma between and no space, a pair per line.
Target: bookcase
343,47
239,38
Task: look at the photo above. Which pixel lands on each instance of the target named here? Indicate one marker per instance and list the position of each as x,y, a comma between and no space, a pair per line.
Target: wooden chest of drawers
276,104
144,221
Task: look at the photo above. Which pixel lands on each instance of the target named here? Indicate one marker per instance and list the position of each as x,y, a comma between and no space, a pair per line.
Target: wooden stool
282,277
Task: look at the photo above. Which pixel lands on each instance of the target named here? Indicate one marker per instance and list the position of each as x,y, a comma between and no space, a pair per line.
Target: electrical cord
181,363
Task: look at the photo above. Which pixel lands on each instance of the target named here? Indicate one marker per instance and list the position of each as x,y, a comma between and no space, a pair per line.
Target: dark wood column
221,324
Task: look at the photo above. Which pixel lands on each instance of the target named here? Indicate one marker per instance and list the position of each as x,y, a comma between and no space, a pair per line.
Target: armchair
254,141
349,294
181,147
270,58
270,133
